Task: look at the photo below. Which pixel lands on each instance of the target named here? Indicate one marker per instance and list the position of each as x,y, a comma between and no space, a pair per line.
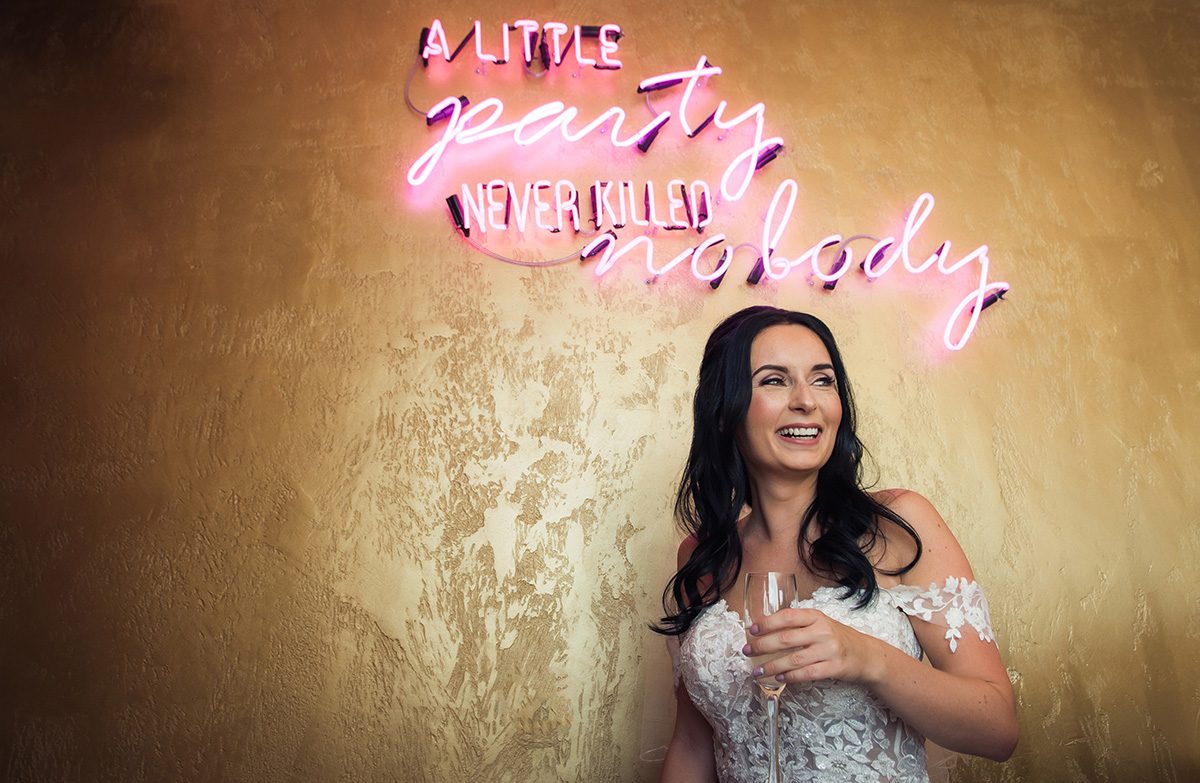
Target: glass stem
773,736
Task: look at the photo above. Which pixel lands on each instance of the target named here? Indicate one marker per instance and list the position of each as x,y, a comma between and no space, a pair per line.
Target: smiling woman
772,484
794,409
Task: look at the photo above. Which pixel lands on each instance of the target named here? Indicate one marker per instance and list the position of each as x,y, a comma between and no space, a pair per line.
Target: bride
772,484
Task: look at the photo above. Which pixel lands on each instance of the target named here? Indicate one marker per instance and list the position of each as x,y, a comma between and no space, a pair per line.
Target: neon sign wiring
553,206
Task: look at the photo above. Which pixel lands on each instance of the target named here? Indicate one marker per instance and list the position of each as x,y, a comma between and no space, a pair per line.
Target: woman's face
795,410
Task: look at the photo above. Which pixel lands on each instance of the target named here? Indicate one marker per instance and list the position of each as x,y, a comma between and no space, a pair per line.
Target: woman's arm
964,702
690,754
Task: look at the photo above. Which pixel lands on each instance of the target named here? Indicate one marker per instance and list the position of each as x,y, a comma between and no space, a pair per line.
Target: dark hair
716,486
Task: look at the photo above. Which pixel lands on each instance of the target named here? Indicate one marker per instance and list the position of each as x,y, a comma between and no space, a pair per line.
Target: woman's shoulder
940,553
686,547
906,503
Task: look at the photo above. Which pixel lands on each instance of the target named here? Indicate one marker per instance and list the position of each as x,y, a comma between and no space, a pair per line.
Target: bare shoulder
686,547
941,555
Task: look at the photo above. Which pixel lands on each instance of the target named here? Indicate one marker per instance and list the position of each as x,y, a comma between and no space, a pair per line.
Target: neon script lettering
555,205
479,122
609,250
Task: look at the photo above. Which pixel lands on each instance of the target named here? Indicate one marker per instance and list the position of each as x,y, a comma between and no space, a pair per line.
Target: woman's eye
824,380
773,380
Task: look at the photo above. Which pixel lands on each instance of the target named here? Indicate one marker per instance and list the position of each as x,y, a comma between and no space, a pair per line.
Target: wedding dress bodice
830,731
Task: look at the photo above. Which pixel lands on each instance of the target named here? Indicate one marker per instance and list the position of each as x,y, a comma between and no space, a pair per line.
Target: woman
772,484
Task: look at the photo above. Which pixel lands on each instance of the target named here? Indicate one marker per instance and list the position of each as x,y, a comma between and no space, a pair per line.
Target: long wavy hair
715,486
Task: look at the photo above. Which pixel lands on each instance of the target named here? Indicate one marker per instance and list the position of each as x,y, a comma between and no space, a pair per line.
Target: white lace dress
830,731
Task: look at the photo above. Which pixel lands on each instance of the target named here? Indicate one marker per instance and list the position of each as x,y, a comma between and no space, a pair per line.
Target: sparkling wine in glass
765,593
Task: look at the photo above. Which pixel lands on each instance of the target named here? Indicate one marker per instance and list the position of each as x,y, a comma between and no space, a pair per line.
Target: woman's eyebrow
816,367
776,367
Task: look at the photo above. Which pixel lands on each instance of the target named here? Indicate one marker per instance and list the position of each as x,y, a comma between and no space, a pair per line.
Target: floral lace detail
957,603
830,731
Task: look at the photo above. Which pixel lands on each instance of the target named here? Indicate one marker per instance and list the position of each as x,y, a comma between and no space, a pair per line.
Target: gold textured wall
297,487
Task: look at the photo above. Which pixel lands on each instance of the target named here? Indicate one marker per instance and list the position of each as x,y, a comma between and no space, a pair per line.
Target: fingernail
746,650
754,630
758,671
780,677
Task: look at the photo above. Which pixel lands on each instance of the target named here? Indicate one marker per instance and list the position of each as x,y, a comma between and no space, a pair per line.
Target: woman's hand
815,646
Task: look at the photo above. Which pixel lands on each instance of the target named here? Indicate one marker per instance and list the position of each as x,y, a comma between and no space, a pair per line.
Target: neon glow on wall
555,205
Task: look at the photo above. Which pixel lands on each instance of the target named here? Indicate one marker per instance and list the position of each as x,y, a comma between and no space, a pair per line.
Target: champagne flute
765,593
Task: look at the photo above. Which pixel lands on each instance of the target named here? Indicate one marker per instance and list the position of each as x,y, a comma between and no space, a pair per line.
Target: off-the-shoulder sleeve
959,602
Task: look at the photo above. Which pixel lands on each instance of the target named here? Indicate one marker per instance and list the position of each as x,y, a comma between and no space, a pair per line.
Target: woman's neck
778,508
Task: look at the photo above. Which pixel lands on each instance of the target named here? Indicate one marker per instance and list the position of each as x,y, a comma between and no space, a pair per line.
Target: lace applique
957,603
830,731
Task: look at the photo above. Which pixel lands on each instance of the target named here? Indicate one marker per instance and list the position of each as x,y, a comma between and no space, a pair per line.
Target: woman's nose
802,398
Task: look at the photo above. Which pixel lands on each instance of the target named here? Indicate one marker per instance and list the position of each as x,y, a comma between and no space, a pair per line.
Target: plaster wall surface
298,486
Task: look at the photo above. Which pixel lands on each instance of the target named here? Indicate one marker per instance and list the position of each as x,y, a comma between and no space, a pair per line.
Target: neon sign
433,43
553,206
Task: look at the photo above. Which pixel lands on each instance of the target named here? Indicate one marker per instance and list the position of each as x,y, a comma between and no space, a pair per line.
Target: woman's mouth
806,434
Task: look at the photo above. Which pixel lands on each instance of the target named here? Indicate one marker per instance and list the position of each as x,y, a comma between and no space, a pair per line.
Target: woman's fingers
810,647
786,618
797,666
789,661
799,628
820,670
